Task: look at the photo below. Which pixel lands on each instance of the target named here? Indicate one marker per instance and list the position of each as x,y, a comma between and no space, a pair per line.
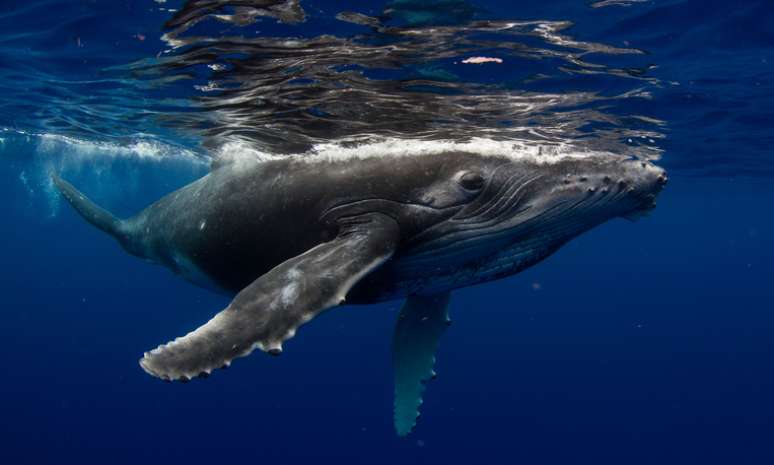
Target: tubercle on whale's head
604,188
607,185
541,203
600,184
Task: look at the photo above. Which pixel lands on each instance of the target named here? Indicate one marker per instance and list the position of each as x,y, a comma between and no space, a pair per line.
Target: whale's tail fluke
92,212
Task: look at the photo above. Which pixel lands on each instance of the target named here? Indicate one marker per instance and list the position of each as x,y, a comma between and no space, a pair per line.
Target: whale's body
291,238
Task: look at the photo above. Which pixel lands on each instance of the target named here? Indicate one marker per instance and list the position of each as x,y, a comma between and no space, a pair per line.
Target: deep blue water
637,343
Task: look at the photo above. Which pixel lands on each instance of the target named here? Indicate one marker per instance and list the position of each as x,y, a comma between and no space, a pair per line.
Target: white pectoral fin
270,310
421,323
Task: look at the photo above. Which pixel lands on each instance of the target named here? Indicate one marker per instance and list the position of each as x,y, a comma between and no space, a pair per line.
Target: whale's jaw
549,209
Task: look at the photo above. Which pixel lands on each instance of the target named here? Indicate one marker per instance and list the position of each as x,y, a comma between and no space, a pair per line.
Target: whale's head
515,210
566,194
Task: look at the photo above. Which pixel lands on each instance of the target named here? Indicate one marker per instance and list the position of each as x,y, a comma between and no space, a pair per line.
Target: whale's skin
242,219
291,238
236,223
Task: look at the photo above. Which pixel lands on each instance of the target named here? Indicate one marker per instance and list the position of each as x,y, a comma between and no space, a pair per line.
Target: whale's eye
471,181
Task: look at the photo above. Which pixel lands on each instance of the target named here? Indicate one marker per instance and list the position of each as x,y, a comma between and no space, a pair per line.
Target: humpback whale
290,238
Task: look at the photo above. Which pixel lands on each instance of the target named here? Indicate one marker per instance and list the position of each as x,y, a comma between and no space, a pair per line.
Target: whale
291,237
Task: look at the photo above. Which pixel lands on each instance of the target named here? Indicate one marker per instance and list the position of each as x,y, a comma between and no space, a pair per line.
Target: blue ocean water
637,343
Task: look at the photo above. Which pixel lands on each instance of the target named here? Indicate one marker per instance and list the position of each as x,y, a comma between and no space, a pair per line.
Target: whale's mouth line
462,241
551,223
511,184
641,211
515,214
504,202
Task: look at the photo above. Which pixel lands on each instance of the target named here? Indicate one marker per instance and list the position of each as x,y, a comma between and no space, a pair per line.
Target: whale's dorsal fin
421,323
268,311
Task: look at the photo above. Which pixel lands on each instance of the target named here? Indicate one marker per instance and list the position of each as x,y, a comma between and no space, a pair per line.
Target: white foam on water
67,155
241,152
102,162
142,149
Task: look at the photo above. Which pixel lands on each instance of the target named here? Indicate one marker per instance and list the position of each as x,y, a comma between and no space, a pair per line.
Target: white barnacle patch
289,294
293,273
290,291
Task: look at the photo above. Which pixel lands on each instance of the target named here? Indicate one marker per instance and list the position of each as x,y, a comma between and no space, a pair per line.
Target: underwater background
637,343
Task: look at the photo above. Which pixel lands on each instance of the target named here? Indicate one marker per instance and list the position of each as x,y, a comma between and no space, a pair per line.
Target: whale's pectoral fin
268,311
421,323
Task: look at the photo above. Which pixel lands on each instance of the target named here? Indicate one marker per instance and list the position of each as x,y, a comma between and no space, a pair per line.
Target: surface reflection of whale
292,238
